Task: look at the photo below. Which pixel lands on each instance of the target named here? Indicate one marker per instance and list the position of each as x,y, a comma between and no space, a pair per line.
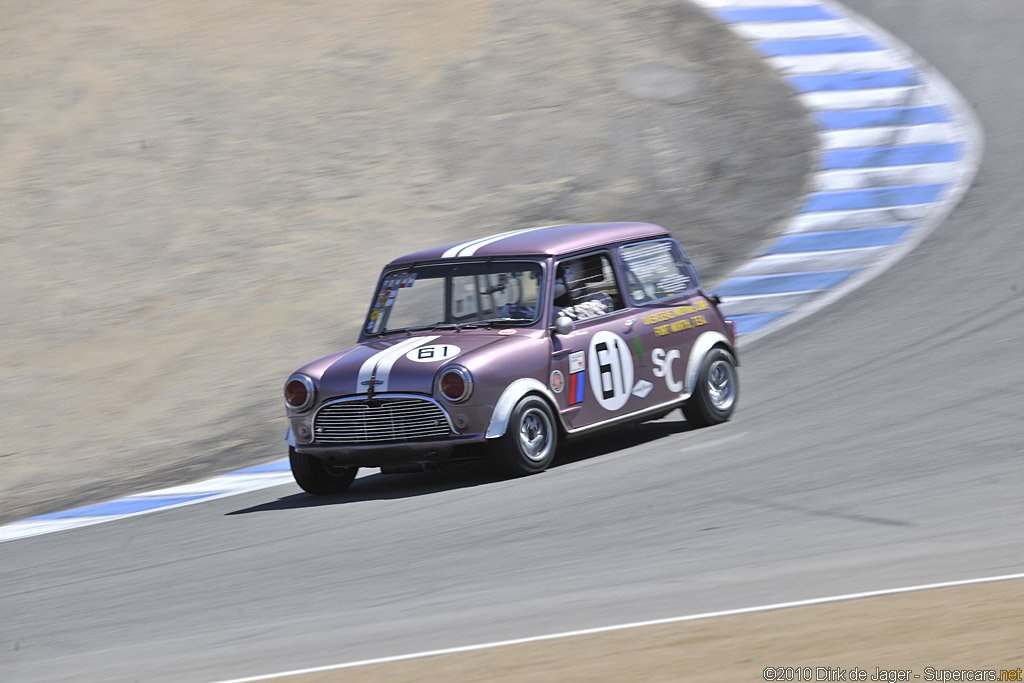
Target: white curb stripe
815,261
889,135
783,30
874,98
862,178
847,62
636,624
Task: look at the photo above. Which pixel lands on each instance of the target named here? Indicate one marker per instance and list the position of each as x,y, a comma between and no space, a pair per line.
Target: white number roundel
611,370
433,353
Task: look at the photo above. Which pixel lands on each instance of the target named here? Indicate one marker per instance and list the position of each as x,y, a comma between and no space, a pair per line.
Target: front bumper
389,454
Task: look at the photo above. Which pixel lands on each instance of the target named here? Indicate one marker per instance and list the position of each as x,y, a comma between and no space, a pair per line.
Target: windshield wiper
490,322
420,328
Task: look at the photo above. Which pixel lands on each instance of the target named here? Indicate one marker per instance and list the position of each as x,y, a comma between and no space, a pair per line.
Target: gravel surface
197,196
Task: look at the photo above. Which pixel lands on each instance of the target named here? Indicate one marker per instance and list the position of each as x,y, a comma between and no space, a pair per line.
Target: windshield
457,295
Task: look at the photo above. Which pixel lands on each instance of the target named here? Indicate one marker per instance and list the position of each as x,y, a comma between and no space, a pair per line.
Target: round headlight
299,392
455,383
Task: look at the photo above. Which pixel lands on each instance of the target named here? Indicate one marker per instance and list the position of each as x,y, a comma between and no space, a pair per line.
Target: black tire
317,478
530,441
718,388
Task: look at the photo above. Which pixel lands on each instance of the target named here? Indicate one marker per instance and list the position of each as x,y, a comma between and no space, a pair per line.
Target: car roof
547,240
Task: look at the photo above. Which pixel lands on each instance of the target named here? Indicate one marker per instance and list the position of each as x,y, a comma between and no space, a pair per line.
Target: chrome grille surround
387,418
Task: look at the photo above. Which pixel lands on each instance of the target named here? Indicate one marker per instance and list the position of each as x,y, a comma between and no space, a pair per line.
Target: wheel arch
704,343
513,394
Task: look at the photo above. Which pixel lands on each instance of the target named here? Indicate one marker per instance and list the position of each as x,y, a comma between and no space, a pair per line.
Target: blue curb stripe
276,466
890,116
800,13
901,155
752,322
896,78
781,284
123,507
838,239
874,198
818,46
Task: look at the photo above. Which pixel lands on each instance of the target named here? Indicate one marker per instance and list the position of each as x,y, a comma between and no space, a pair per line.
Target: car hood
405,364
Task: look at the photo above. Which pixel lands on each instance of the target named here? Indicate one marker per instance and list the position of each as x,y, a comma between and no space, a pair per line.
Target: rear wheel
316,477
714,396
530,441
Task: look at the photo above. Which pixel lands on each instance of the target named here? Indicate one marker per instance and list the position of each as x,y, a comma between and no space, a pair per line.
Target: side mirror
563,324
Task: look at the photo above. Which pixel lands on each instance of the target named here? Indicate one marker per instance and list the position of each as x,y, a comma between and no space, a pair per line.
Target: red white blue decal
577,381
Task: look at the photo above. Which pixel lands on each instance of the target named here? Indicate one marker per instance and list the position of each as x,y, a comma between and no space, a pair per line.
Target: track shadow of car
475,473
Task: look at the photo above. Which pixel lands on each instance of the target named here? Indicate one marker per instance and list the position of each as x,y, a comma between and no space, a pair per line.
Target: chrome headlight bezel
467,380
307,382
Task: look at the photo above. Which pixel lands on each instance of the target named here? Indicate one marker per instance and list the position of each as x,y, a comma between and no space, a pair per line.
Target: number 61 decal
433,353
611,370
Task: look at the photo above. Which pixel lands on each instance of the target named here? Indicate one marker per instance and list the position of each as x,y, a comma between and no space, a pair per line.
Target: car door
592,367
670,311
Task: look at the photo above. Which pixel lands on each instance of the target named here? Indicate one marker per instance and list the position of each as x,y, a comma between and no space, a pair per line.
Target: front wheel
714,396
316,477
530,441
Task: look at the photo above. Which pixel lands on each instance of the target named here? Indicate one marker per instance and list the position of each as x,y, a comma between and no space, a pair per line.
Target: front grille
405,418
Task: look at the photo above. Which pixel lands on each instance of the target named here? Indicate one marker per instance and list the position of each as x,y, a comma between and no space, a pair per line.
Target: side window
586,287
654,270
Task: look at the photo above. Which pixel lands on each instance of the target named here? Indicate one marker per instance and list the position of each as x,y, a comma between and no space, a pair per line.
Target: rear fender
704,343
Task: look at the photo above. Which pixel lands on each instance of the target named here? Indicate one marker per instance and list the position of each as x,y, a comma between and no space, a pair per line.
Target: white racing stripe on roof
471,249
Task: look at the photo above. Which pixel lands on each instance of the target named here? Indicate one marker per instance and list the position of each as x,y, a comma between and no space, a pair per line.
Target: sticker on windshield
433,353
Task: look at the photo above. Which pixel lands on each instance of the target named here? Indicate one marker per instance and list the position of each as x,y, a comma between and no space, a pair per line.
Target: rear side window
656,270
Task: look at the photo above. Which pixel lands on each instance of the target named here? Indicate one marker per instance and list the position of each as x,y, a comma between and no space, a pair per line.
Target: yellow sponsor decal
677,312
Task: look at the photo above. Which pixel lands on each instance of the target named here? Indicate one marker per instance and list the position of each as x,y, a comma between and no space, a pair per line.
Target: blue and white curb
898,147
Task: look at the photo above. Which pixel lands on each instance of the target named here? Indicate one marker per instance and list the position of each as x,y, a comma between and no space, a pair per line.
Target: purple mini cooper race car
503,346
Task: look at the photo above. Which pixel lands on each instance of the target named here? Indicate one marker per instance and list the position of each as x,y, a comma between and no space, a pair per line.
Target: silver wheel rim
721,384
535,430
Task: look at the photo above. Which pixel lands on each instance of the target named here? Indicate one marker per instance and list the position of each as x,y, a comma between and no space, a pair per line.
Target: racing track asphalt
878,444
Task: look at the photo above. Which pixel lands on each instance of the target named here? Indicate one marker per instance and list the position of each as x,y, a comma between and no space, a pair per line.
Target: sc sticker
611,370
433,353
